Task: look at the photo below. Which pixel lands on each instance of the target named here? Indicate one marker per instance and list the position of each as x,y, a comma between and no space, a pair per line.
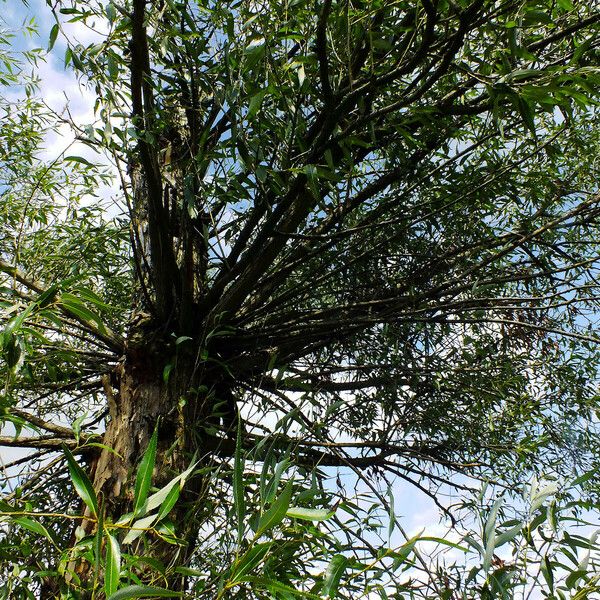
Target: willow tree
357,235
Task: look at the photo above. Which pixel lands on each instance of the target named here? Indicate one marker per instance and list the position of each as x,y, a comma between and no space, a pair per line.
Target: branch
38,442
163,262
321,50
41,424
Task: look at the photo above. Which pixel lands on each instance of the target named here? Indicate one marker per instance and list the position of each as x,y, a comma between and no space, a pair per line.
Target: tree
358,235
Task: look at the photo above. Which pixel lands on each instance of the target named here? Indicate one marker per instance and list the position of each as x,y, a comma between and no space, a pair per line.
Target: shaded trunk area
153,387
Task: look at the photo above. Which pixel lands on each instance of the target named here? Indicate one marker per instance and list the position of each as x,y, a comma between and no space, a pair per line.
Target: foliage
350,240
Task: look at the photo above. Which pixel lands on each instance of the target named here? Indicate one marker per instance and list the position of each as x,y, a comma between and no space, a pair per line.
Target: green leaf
238,484
112,572
333,575
546,568
83,486
166,497
78,159
250,560
490,524
392,516
585,477
144,591
313,181
90,296
443,542
77,308
139,527
169,502
270,489
111,12
574,577
275,587
508,535
33,526
277,511
97,545
15,323
144,474
309,514
47,296
539,497
53,36
255,104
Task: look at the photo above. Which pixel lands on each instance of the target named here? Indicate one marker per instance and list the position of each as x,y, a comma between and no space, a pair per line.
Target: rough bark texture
143,398
140,396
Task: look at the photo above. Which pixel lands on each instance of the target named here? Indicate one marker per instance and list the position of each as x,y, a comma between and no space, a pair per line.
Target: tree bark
140,399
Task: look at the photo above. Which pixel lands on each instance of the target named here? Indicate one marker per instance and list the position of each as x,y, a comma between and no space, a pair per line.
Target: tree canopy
349,237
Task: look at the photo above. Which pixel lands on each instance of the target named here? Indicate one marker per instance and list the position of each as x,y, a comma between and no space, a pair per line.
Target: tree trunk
141,398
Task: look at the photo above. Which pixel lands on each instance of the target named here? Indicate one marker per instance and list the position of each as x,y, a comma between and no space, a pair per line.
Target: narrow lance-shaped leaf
277,511
139,527
333,575
98,537
143,591
167,496
113,565
144,474
238,484
33,526
250,560
83,486
53,36
309,514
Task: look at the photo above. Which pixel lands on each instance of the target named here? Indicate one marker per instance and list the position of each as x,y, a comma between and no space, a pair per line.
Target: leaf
53,36
112,572
144,591
78,159
238,484
400,555
164,496
309,514
539,497
167,372
16,322
255,104
313,181
574,577
250,560
490,524
97,545
33,526
392,516
333,575
270,489
83,486
169,502
144,474
77,308
546,568
585,477
139,527
301,75
47,296
90,296
275,586
111,12
277,511
508,535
